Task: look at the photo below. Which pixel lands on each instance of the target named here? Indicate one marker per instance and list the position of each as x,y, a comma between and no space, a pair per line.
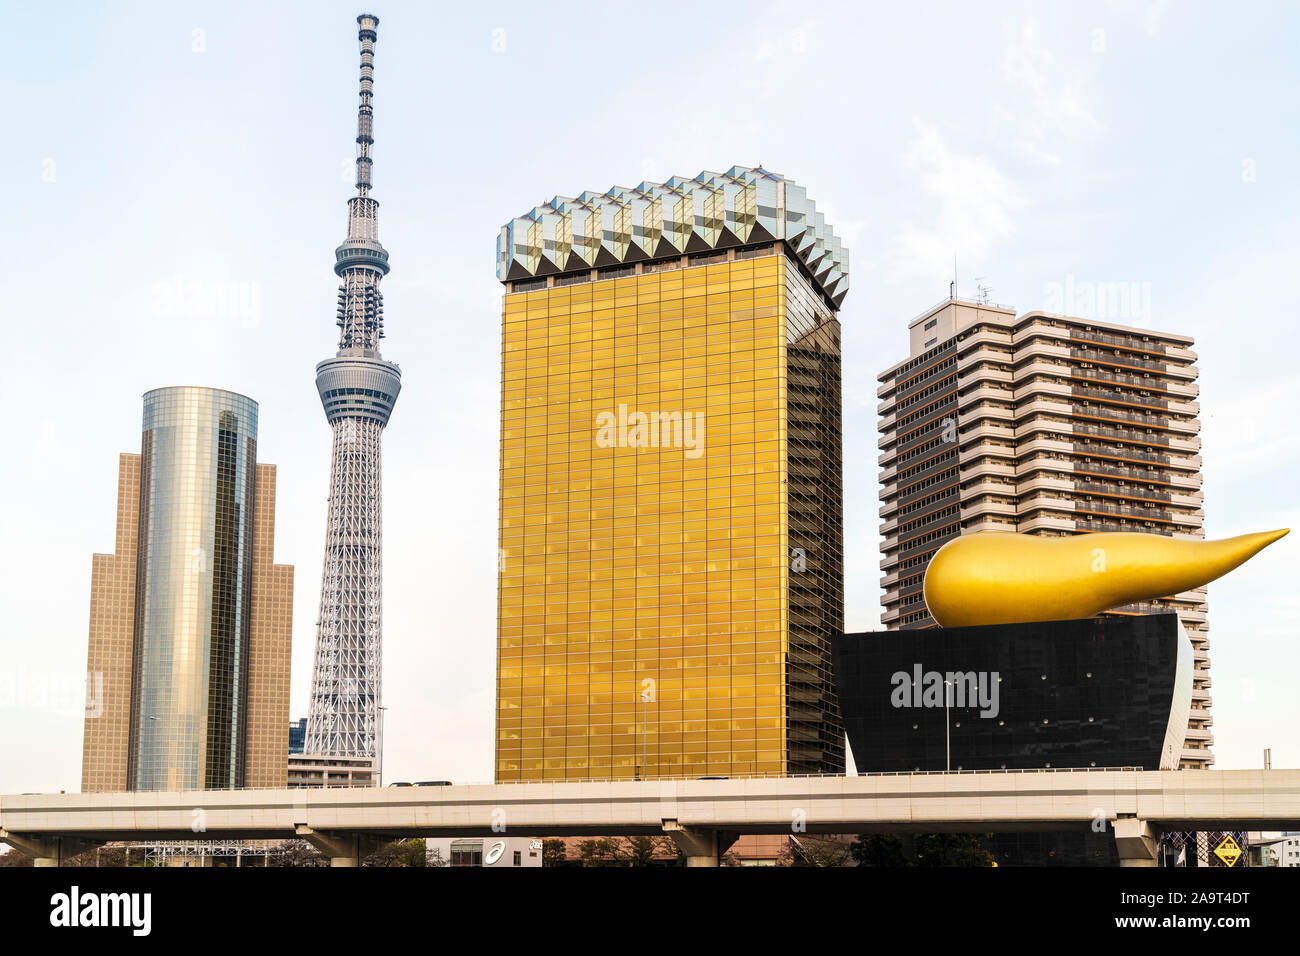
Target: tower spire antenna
361,261
358,390
367,25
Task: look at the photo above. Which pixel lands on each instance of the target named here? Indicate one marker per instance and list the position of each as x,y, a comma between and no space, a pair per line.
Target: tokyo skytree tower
358,390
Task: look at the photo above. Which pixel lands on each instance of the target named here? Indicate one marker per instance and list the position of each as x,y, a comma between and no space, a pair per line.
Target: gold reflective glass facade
670,564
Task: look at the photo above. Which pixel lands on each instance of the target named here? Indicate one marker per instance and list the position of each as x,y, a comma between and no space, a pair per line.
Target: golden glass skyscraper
670,568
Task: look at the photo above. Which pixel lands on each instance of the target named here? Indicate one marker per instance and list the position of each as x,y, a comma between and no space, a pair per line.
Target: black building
1098,692
297,735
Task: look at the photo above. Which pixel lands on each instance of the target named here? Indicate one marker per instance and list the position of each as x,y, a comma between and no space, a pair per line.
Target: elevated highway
702,816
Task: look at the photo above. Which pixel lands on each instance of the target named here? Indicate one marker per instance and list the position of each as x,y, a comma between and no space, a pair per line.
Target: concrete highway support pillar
47,850
1136,841
700,846
343,849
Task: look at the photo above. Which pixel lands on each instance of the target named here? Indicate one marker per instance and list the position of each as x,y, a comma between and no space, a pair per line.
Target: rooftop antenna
981,291
952,286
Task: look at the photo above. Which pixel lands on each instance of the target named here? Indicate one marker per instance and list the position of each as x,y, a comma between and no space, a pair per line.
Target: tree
554,853
877,849
623,851
299,853
641,850
815,851
602,852
952,849
99,856
672,855
678,857
398,853
15,858
435,858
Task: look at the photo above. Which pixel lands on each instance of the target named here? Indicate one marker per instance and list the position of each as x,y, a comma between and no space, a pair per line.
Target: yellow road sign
1228,851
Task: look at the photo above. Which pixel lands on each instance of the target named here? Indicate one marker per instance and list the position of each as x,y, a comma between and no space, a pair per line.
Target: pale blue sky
1147,143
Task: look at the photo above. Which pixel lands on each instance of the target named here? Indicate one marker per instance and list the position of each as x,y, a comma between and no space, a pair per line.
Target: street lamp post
379,769
947,727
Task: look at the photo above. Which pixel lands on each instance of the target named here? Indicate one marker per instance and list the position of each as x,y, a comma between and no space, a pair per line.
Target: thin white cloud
1153,15
1055,90
848,228
1039,154
1254,430
1049,92
791,41
975,208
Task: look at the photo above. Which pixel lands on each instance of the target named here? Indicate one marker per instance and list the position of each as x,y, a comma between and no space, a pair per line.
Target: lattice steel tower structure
358,390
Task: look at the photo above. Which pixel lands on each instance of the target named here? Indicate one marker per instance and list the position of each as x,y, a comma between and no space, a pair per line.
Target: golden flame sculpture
999,577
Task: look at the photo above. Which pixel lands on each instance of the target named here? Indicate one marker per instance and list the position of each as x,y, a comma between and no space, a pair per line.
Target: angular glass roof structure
712,211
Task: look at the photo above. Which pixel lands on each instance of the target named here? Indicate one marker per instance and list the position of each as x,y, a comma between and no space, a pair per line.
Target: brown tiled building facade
271,640
108,664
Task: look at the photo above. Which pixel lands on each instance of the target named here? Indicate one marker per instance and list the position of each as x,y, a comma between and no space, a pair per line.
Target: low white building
1277,849
501,852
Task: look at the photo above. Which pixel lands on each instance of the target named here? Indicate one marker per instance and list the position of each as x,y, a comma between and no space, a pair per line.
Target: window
931,324
467,853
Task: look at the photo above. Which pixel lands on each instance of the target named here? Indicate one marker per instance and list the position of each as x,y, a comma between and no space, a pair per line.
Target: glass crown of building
713,211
